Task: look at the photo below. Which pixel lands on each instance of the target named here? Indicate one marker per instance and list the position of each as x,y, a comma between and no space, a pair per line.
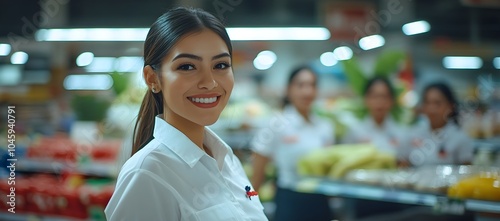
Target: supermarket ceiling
453,19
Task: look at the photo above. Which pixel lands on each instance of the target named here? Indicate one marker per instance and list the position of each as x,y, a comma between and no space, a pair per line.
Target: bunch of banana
337,160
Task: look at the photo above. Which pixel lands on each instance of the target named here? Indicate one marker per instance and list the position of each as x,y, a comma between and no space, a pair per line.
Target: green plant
120,82
89,107
387,64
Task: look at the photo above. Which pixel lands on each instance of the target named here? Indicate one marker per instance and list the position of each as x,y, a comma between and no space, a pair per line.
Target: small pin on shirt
250,192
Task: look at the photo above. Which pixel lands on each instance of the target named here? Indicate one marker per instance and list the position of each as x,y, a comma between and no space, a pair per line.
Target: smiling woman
179,169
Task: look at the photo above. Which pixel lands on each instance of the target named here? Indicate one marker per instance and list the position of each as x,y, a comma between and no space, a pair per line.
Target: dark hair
369,84
446,91
292,76
162,36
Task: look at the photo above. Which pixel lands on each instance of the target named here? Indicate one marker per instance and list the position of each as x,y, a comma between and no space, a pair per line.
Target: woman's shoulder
153,157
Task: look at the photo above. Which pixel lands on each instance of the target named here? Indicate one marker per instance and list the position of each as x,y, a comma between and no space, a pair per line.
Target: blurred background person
295,132
438,134
378,126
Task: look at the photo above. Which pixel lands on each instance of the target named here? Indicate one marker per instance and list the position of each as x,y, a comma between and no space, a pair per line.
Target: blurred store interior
71,74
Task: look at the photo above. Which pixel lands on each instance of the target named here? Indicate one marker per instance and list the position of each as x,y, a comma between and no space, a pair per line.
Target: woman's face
436,107
302,91
197,78
378,100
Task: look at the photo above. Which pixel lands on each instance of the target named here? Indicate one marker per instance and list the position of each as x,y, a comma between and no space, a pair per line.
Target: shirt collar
293,115
388,122
183,147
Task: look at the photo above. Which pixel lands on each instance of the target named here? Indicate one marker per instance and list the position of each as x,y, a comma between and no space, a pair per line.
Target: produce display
69,196
437,179
57,177
388,178
484,186
63,149
337,160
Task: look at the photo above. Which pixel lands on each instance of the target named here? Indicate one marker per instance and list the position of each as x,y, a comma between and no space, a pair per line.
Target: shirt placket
224,185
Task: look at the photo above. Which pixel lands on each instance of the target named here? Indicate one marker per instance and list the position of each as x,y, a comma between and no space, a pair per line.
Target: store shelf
350,190
91,169
490,143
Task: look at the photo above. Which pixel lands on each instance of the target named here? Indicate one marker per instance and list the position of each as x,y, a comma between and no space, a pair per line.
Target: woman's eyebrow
221,55
192,56
196,57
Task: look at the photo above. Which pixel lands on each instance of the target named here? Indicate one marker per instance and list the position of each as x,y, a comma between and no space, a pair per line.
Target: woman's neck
379,121
193,131
304,113
437,125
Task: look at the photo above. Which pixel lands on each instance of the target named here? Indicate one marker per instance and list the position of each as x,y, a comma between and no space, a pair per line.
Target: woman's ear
151,78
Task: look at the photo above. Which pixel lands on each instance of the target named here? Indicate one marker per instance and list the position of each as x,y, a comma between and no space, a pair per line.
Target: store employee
438,139
378,127
289,136
180,170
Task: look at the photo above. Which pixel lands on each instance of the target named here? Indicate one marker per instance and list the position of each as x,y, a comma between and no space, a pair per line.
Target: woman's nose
207,81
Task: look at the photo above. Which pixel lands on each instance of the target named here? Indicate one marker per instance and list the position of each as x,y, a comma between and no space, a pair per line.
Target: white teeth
204,100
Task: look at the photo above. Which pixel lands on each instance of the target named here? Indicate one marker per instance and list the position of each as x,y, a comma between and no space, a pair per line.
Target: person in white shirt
288,136
438,138
378,127
181,170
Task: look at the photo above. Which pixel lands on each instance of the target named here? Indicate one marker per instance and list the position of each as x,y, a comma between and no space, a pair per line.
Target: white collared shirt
287,137
447,145
387,138
173,179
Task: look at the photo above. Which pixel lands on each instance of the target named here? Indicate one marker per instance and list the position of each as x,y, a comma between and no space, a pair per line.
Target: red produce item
70,205
105,151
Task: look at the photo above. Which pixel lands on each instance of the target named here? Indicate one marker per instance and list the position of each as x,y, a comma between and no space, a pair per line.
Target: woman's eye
222,66
186,67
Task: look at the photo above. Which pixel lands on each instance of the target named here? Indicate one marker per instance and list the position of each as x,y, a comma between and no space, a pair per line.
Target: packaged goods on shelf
66,150
48,195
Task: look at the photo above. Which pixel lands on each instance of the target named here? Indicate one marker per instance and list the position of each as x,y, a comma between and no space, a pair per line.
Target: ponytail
151,106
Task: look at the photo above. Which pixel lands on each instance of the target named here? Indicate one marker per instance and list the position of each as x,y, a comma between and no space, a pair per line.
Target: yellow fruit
485,186
337,160
463,189
487,189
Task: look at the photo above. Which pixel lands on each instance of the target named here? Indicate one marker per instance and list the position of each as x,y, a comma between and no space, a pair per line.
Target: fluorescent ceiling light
264,60
139,34
84,59
416,27
19,57
128,64
92,34
110,64
462,62
328,59
371,42
5,49
496,62
278,34
101,64
10,75
342,53
88,82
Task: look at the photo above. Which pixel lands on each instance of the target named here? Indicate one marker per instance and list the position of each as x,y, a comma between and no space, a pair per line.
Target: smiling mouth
205,102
